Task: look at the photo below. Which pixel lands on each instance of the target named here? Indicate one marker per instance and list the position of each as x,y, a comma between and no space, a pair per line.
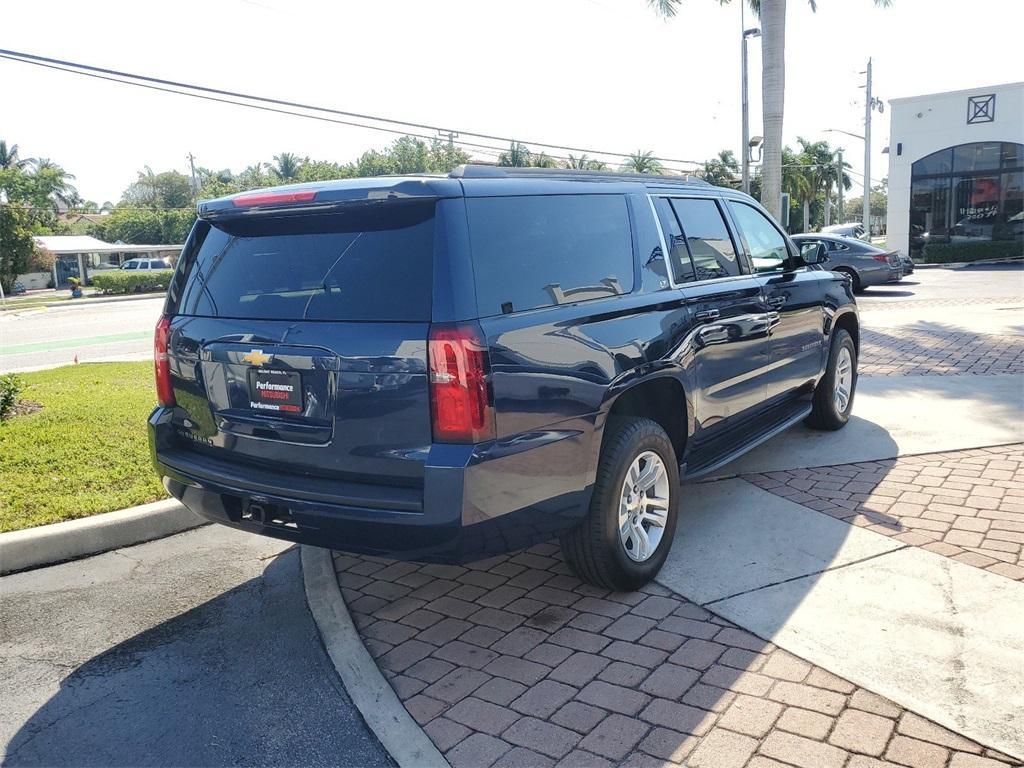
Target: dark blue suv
443,368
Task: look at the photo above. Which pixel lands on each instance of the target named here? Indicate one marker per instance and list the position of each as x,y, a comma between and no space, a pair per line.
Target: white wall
926,124
33,280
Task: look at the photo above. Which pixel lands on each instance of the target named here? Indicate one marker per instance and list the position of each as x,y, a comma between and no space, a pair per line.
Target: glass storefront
969,194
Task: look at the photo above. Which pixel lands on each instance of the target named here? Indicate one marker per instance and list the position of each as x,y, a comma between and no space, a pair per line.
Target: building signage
981,109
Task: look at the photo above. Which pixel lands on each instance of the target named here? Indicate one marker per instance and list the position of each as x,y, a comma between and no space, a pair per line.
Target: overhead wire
224,96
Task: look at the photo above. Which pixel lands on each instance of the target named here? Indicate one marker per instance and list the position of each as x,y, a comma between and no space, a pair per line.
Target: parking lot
848,599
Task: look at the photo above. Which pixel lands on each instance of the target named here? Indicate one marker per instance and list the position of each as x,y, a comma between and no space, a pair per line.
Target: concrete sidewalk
938,636
899,416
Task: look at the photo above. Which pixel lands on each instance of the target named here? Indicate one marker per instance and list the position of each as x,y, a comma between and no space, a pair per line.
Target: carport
76,255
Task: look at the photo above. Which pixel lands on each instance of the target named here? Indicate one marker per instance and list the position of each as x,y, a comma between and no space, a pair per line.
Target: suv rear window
538,251
367,264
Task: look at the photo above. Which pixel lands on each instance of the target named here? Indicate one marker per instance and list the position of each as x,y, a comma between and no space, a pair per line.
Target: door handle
776,301
706,315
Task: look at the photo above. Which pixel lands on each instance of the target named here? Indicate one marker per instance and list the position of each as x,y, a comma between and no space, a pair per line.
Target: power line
168,86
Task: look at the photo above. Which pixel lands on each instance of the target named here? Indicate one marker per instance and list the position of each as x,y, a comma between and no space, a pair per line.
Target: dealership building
956,171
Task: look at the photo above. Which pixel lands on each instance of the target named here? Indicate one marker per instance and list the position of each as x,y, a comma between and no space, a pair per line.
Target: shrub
951,253
11,387
132,281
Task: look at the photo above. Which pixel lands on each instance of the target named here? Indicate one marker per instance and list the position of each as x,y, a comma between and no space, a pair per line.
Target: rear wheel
624,539
833,397
854,279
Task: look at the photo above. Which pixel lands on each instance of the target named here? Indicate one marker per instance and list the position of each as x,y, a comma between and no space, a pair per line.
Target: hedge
951,253
132,281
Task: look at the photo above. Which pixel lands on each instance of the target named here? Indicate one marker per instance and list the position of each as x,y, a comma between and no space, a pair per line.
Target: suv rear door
298,343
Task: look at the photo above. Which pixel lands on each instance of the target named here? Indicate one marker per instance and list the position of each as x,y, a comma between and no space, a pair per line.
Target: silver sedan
865,264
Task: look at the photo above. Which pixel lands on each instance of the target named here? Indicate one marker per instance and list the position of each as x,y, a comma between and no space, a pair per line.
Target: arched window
968,194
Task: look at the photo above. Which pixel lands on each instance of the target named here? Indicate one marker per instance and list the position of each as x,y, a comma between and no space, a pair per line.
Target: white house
956,168
77,255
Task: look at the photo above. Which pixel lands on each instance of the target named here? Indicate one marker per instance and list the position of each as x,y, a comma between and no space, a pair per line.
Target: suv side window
707,237
678,254
544,250
765,244
131,265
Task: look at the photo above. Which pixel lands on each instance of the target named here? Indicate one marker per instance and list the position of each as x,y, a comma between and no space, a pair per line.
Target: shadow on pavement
239,680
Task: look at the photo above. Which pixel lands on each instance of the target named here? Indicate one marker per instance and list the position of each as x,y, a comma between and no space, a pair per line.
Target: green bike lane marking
45,346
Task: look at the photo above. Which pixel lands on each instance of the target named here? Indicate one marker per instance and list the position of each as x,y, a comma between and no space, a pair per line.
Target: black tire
825,413
594,549
854,279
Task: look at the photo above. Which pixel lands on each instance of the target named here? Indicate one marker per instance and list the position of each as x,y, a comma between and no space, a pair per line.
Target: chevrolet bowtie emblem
256,357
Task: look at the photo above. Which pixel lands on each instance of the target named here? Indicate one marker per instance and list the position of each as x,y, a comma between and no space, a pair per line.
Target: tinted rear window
368,264
537,251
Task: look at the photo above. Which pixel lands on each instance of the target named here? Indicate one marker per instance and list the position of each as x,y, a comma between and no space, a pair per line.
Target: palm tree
518,156
584,163
9,157
543,160
721,170
794,177
641,162
817,159
577,163
286,166
834,177
64,192
773,85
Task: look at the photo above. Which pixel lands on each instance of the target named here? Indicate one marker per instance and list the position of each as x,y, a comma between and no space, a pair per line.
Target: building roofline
979,89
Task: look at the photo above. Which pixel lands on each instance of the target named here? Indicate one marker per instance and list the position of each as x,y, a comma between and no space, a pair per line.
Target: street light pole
745,173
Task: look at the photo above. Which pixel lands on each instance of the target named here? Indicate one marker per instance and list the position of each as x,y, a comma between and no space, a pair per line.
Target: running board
790,416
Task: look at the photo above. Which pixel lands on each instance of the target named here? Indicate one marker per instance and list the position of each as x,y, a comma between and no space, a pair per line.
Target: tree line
159,207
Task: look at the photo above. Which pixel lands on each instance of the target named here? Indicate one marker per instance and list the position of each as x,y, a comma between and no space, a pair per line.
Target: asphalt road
994,281
194,650
47,338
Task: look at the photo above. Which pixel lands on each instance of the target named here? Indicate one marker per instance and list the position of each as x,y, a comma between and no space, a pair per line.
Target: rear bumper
477,501
879,275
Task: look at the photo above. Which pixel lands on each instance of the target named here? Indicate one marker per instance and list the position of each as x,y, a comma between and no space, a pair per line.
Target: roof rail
479,171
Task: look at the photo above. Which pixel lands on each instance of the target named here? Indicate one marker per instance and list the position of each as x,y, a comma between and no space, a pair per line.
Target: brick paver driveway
515,662
968,505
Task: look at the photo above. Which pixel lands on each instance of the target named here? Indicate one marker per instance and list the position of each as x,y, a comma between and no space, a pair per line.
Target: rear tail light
274,198
460,395
162,364
881,257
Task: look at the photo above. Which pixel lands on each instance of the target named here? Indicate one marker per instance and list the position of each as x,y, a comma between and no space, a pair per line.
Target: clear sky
606,74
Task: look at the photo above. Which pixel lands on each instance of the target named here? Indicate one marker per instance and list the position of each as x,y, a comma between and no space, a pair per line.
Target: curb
60,542
373,696
969,264
10,307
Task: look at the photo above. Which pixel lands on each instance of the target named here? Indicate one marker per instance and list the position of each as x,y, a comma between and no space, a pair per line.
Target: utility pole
192,165
451,139
870,104
839,176
867,152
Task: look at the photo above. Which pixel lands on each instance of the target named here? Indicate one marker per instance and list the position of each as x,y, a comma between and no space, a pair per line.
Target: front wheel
623,541
833,397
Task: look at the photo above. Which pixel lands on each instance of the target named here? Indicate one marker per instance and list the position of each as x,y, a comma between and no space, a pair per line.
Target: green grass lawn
85,452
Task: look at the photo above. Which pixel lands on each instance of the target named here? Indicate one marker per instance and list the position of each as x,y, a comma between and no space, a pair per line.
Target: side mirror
813,253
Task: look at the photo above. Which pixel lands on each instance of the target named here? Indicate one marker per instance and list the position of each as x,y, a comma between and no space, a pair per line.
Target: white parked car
147,264
854,230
